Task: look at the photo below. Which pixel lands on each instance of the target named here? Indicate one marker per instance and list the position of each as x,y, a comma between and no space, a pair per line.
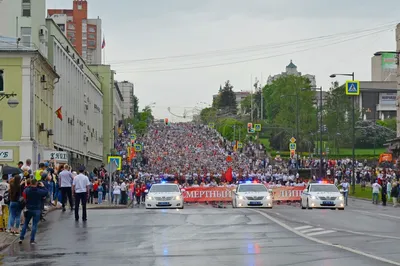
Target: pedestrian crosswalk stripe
311,230
321,233
303,227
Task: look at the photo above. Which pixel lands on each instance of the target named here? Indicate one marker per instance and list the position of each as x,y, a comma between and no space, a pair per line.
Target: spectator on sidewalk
34,196
80,189
395,193
15,205
4,187
375,192
116,192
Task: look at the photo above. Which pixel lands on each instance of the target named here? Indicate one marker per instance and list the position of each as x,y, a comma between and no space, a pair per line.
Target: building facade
377,99
25,19
82,32
26,131
118,104
127,90
291,69
383,66
106,77
79,95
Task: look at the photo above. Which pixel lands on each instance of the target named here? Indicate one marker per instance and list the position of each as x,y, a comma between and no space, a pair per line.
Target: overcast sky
207,42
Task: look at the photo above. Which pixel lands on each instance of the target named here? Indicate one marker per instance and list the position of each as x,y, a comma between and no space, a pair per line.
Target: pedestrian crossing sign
353,87
239,145
133,137
117,160
257,127
138,147
211,125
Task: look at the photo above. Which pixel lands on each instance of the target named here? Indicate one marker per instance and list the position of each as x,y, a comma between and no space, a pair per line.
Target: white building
78,94
118,104
127,90
291,69
25,19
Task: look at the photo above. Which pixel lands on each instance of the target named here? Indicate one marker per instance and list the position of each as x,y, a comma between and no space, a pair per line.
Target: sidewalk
6,239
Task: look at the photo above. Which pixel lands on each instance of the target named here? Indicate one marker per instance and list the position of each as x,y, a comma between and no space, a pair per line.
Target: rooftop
13,44
291,65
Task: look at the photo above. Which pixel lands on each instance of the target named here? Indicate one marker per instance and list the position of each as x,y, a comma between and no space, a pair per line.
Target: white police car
322,195
164,195
251,195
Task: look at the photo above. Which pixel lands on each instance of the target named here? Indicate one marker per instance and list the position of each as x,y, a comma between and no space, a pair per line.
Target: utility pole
398,84
251,98
262,98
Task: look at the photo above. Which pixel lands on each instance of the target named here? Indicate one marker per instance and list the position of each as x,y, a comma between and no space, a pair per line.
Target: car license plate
163,203
255,203
328,202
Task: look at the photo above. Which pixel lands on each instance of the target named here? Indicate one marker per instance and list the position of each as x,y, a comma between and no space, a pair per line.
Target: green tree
208,115
286,99
229,128
369,134
389,123
226,99
245,105
337,119
135,105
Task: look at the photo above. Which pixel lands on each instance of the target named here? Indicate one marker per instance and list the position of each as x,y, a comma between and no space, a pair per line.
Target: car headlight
341,198
313,197
268,197
240,197
149,198
178,198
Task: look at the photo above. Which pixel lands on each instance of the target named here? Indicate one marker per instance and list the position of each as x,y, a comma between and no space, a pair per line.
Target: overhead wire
223,52
194,66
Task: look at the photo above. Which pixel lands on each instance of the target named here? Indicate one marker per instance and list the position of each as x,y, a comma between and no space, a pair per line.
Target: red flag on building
59,113
103,44
228,174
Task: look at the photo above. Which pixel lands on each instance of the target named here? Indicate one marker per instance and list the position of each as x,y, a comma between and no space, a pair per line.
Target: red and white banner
202,194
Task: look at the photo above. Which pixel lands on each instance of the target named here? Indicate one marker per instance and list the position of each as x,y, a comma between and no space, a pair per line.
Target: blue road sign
117,160
353,87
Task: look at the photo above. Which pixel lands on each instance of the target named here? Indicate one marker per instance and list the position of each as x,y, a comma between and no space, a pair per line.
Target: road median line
358,252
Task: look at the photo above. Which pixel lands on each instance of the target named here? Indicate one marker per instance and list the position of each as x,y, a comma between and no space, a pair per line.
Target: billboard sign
387,98
388,61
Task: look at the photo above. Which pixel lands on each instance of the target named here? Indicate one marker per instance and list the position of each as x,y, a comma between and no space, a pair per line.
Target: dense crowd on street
185,153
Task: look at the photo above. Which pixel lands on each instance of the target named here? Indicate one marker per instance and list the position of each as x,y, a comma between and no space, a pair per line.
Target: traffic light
166,121
250,128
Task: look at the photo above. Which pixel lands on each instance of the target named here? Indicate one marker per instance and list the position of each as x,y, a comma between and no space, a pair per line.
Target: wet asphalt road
203,235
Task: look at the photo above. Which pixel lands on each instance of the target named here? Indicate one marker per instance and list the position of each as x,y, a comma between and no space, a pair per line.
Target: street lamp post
353,174
319,109
297,117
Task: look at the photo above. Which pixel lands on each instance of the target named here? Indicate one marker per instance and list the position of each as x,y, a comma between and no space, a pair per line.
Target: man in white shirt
80,188
375,192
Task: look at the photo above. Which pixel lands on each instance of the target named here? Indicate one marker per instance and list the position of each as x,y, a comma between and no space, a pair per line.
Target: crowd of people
185,153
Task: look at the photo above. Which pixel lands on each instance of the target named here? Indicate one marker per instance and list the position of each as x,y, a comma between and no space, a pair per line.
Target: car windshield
252,188
323,188
164,188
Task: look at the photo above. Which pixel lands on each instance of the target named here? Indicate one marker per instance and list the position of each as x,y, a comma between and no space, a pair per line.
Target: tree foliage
285,99
389,123
226,99
338,116
370,134
245,105
208,115
135,105
141,120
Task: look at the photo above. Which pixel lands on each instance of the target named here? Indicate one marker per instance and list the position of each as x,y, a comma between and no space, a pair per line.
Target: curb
15,238
107,207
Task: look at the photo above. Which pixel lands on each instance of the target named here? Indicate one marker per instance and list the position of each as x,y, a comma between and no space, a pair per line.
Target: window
1,80
26,33
61,26
84,35
92,36
91,29
71,26
1,129
26,8
91,43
